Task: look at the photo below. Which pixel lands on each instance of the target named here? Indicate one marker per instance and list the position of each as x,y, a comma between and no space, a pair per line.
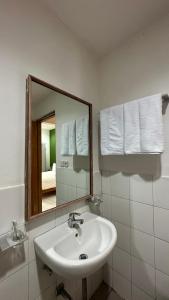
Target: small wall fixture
12,239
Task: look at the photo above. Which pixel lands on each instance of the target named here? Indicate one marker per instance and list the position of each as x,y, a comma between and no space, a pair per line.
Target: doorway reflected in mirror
44,163
48,152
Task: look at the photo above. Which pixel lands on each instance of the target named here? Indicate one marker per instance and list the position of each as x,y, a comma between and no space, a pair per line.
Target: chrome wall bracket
7,242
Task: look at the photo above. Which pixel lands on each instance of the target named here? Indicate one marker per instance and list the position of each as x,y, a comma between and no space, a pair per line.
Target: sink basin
77,252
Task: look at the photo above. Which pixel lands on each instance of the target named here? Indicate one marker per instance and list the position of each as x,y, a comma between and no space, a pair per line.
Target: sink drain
83,256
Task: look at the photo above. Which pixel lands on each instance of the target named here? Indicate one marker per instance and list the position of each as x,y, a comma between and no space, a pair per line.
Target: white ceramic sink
61,247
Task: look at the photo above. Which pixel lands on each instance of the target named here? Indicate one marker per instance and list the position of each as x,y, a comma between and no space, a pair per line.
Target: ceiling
48,126
39,92
104,24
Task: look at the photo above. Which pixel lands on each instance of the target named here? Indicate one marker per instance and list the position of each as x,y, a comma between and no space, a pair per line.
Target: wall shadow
11,259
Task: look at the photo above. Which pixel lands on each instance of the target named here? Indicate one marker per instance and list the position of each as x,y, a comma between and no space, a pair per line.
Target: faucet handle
17,234
14,224
96,200
73,214
14,231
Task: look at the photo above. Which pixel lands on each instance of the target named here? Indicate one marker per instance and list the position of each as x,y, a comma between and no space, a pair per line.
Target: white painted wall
136,69
138,204
34,42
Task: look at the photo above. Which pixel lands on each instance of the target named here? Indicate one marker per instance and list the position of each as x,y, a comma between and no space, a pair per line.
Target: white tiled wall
71,184
21,273
11,197
138,206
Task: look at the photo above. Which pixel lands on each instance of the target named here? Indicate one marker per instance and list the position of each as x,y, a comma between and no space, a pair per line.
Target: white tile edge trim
11,186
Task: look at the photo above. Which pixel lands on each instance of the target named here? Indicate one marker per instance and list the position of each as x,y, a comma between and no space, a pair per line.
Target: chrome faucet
72,221
17,234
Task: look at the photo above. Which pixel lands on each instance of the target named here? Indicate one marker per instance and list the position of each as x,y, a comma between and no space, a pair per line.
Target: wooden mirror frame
28,125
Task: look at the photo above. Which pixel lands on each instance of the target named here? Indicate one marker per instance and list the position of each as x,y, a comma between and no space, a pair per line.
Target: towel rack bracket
165,102
165,98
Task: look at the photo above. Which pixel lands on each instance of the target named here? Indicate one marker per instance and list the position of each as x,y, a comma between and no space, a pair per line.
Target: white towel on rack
82,136
72,138
131,127
111,125
151,124
65,139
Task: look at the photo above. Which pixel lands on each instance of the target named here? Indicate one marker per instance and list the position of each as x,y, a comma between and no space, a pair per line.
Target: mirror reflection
48,155
60,156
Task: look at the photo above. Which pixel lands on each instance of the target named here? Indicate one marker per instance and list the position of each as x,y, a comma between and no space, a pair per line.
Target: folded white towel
82,136
111,125
72,138
131,128
151,124
143,126
65,139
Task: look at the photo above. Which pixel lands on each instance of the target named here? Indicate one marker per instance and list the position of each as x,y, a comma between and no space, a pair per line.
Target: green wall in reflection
52,147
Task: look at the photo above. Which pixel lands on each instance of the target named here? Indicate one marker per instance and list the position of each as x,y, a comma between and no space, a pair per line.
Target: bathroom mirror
58,148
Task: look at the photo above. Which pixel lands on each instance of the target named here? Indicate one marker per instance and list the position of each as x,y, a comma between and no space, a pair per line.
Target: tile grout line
135,228
134,284
144,262
153,205
138,258
13,273
28,258
154,235
14,186
129,199
131,265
